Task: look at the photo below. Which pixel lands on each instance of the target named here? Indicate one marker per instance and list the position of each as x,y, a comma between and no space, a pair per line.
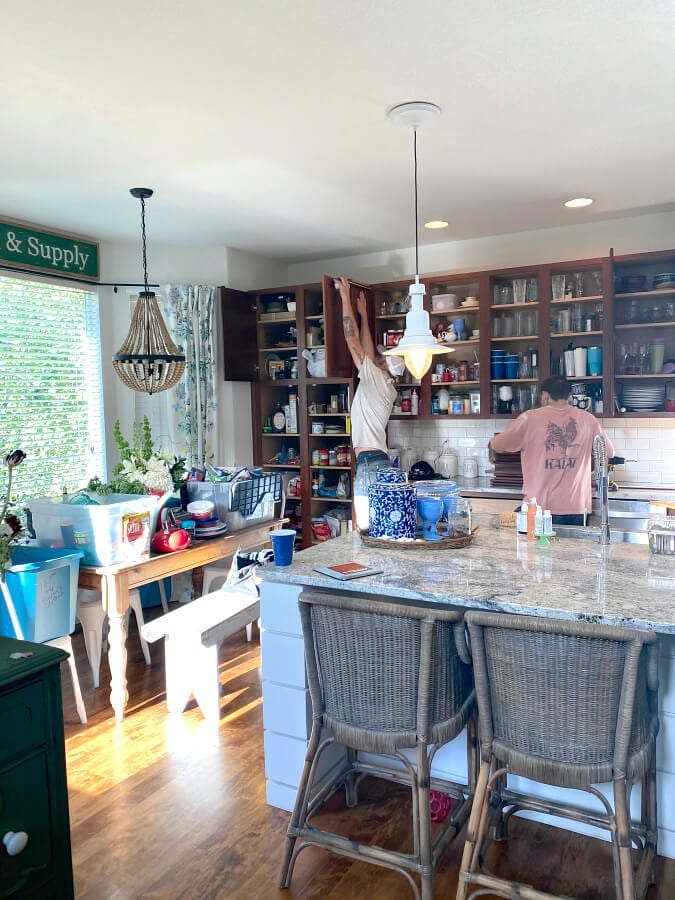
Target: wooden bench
192,634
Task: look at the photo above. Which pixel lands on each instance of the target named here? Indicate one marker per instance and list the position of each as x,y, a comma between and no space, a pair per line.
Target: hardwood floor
174,807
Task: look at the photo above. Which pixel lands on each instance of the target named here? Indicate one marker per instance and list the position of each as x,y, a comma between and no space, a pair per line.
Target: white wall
179,265
629,235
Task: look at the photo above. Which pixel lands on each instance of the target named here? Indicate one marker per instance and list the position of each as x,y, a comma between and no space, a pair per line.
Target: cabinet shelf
333,468
516,337
530,304
328,415
637,326
646,295
452,384
316,499
515,380
574,334
596,298
284,466
280,434
660,376
332,434
284,348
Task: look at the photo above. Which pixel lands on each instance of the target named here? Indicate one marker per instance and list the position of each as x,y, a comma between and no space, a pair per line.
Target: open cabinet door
338,358
238,312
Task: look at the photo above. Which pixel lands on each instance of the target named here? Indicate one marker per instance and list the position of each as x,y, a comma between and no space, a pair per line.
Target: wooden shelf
597,298
515,337
333,468
636,326
331,499
573,334
530,304
448,384
646,295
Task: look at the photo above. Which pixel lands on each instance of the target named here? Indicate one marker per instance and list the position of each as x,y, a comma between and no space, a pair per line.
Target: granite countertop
619,584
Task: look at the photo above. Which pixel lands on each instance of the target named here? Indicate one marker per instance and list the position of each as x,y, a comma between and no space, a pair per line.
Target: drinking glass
558,287
519,290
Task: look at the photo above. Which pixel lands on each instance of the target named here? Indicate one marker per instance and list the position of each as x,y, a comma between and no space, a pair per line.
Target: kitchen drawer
23,719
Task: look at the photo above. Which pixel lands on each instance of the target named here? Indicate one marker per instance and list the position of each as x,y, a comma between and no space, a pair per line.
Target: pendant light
418,345
148,361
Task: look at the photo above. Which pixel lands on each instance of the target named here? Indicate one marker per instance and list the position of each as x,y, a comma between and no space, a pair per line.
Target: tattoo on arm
349,326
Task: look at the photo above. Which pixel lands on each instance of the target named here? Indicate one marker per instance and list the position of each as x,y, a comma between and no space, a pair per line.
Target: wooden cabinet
288,400
644,333
33,791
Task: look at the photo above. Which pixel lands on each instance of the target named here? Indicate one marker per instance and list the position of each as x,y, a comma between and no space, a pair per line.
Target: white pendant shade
418,345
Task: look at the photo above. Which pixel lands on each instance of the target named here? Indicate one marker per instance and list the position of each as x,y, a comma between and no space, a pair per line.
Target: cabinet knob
15,842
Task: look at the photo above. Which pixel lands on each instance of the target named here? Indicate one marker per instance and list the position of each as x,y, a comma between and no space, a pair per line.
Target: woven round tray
448,543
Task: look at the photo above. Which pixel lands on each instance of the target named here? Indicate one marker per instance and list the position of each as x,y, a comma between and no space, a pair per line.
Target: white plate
466,305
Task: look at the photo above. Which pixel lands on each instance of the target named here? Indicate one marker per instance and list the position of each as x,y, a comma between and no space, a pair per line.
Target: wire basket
247,494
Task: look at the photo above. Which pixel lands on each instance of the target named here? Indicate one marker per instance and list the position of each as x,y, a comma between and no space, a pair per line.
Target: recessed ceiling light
436,223
578,202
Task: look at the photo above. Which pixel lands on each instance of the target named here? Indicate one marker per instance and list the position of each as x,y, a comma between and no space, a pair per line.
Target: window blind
51,395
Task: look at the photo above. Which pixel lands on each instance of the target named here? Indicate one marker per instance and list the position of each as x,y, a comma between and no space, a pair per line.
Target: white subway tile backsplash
649,441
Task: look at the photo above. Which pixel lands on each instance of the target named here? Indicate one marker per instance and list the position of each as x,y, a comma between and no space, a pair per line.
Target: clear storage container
115,530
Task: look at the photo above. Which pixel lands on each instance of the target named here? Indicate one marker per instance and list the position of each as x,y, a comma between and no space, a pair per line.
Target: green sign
48,251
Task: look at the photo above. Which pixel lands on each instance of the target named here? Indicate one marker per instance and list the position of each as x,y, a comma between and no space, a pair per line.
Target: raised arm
349,323
365,335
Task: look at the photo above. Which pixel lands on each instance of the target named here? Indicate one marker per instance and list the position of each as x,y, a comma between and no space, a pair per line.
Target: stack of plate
209,528
644,399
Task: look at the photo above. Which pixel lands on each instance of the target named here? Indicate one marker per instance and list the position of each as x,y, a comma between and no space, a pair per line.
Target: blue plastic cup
283,541
594,360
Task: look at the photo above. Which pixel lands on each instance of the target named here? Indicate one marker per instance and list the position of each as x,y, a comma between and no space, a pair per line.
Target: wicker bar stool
383,677
568,704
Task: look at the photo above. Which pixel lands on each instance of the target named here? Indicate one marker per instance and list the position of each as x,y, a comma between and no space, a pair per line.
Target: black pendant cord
417,250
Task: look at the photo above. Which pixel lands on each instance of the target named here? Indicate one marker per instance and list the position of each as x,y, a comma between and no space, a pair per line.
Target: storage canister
393,505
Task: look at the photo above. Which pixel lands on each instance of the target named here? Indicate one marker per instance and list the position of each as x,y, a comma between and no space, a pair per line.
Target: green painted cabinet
35,860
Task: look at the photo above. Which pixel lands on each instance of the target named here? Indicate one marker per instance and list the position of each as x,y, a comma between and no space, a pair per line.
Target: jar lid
390,475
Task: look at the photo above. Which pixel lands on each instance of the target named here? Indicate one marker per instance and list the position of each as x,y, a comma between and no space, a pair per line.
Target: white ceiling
261,124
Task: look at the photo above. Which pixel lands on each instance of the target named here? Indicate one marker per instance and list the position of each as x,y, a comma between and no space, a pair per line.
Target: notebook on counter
347,571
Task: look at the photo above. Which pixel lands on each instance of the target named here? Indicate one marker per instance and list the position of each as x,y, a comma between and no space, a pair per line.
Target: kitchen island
618,584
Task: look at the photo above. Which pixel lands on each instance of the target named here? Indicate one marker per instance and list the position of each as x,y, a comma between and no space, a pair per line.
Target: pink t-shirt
556,448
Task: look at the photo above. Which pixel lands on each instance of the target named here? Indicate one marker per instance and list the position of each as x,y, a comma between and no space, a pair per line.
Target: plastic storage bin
42,583
240,503
116,530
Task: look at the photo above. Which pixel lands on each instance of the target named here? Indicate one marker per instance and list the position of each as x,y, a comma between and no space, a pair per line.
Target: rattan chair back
381,674
567,703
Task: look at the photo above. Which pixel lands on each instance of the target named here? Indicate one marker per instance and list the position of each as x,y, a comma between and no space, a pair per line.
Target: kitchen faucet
602,485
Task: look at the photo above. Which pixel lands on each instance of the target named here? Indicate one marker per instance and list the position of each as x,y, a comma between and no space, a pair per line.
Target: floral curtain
184,418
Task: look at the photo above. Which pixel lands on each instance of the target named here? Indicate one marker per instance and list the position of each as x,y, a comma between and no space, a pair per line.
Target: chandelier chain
145,246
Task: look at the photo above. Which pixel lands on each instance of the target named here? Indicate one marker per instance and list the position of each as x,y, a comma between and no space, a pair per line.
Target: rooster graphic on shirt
564,438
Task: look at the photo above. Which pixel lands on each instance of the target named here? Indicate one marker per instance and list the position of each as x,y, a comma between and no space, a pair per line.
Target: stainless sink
591,532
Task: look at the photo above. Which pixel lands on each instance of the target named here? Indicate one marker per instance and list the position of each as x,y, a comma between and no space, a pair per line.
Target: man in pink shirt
556,449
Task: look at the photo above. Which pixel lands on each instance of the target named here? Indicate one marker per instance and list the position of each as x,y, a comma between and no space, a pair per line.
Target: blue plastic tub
42,583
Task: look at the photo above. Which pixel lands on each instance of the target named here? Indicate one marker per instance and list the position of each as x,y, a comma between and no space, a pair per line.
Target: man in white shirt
373,399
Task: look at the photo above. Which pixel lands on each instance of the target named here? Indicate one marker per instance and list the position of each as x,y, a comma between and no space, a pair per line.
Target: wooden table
115,582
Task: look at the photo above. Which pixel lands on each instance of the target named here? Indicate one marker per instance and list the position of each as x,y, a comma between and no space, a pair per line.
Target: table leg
117,646
198,580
